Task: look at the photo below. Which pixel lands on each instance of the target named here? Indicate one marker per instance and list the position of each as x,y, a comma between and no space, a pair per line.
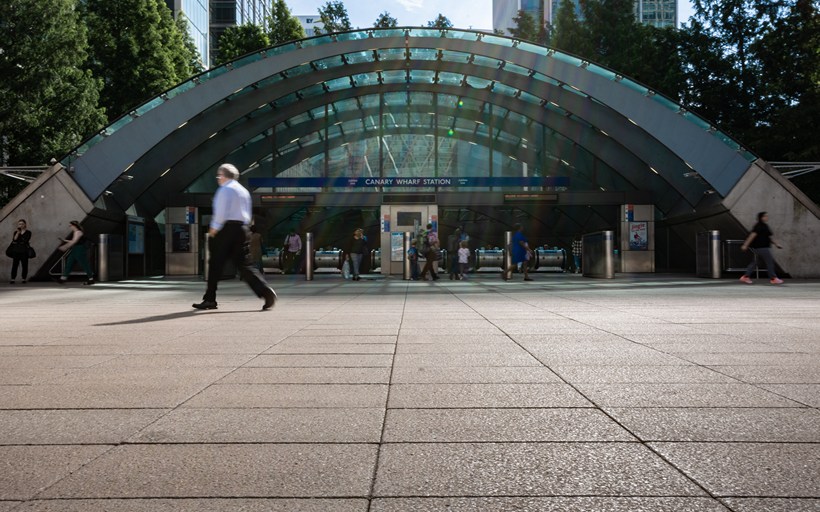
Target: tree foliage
568,33
441,22
192,55
386,21
136,49
238,40
48,102
334,18
283,26
527,28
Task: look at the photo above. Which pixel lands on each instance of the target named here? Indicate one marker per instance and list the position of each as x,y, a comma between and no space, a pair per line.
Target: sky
476,14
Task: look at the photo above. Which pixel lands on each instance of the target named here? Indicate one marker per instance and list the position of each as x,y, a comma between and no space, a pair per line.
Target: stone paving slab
96,396
749,469
25,471
331,348
322,361
749,359
806,394
467,395
214,470
442,396
722,424
84,426
641,374
773,374
682,395
474,375
308,376
526,469
198,505
547,504
290,395
773,504
265,426
500,425
519,358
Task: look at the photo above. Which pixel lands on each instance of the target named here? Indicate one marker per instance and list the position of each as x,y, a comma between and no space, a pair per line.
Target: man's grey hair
229,171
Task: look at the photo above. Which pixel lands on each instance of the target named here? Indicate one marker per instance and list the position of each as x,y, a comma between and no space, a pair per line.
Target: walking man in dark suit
229,236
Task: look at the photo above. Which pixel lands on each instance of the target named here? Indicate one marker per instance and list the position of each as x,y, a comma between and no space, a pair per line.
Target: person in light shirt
229,236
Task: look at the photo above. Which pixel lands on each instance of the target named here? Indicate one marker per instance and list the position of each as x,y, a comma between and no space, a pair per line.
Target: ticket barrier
489,259
550,260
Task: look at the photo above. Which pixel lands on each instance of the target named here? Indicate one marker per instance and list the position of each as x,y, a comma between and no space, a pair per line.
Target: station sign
420,182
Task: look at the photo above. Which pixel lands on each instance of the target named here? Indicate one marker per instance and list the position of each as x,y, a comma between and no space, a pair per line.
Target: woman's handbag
31,253
10,250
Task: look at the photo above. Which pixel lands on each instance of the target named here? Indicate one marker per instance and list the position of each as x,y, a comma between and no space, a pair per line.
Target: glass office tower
226,13
196,13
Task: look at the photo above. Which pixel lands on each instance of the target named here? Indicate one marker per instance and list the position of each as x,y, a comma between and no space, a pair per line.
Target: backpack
423,242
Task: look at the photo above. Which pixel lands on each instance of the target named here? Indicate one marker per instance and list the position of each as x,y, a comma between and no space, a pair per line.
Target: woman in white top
77,244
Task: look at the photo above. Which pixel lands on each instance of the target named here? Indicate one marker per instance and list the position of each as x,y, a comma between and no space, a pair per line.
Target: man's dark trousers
231,244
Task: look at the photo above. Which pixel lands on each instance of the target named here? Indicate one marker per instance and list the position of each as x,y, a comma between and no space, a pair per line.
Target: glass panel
359,57
598,70
313,91
515,68
544,78
395,98
339,84
315,41
529,98
354,159
424,32
450,78
248,59
633,85
422,77
500,41
213,73
478,83
181,88
569,59
299,70
480,60
506,90
451,56
330,62
391,54
149,106
352,36
394,77
423,54
388,33
697,120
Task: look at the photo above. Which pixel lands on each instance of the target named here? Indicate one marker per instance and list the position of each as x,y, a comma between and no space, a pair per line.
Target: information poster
181,238
136,238
397,246
638,236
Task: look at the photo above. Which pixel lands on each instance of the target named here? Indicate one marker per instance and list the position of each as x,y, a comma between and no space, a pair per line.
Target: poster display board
638,236
397,246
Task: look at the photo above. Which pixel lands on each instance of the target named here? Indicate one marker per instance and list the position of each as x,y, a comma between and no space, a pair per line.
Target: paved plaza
640,393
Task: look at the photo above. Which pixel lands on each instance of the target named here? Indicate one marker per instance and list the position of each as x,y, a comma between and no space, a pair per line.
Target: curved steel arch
672,134
254,125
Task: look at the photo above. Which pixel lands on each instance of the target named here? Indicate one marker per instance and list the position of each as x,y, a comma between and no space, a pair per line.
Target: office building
310,23
227,13
196,14
658,13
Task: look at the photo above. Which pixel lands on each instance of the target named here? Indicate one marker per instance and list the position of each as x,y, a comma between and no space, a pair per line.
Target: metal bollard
309,257
102,259
507,250
405,262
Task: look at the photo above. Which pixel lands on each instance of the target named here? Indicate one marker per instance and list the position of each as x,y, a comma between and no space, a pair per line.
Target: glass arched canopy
410,103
